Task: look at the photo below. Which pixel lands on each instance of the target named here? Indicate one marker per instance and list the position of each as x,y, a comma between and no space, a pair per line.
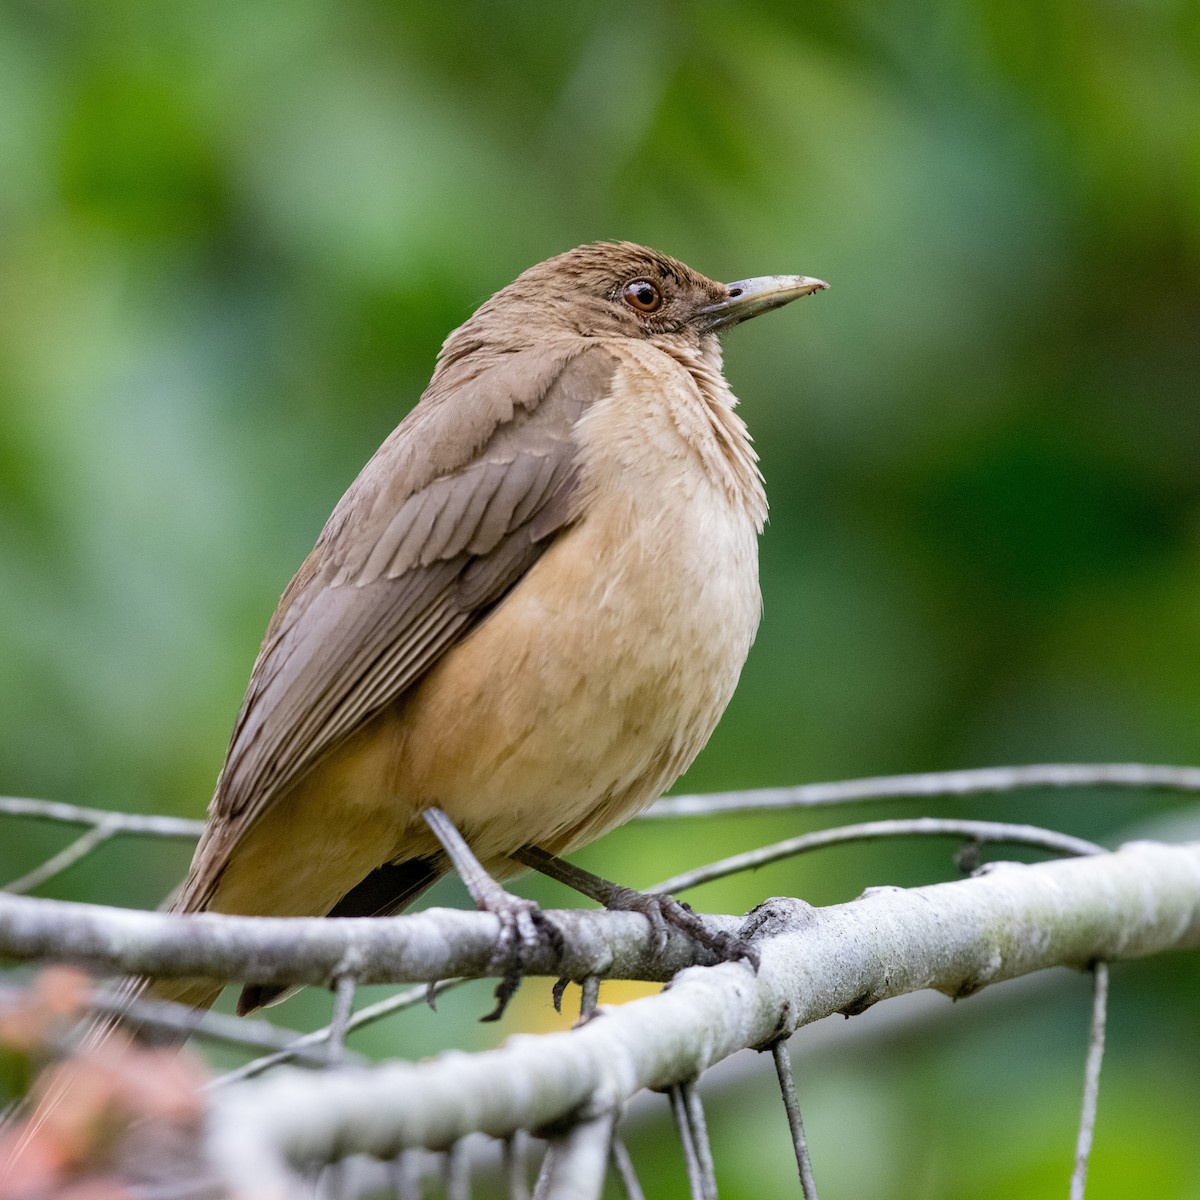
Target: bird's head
619,289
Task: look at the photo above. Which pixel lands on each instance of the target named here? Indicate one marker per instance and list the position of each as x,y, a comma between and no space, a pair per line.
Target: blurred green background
233,235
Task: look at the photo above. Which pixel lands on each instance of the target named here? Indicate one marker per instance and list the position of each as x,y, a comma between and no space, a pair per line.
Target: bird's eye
643,295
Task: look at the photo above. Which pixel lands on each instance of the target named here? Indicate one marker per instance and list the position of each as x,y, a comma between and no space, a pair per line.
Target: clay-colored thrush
522,621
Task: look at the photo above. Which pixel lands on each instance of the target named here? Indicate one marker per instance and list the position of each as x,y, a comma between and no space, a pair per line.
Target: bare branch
1091,1082
698,1184
243,1032
516,1166
430,945
938,784
576,1163
343,1006
458,1173
693,1128
120,822
68,856
976,831
626,1174
953,937
791,1104
980,781
297,1046
589,997
406,1176
1006,921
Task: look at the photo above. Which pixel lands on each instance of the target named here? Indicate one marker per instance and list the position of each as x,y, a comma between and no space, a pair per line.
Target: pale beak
749,297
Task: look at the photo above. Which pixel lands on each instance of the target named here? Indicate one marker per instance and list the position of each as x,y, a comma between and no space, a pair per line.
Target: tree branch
954,937
117,822
421,947
935,785
979,832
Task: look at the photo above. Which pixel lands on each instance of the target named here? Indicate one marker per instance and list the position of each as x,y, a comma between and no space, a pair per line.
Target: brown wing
458,503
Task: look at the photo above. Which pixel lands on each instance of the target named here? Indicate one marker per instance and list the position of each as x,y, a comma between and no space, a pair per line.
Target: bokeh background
233,236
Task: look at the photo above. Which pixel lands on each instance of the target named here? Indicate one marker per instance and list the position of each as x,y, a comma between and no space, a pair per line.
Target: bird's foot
523,926
665,913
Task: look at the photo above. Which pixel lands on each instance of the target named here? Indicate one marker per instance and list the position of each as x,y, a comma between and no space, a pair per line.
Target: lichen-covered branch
953,937
431,945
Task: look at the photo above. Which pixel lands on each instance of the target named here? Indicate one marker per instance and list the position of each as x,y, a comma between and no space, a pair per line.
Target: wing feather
455,507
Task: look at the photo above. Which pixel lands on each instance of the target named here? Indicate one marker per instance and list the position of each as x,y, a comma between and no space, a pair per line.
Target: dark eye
643,295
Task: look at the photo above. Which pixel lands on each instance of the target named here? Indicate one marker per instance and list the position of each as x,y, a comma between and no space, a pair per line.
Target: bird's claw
665,913
523,926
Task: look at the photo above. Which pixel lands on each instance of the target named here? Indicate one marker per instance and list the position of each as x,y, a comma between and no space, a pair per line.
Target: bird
522,621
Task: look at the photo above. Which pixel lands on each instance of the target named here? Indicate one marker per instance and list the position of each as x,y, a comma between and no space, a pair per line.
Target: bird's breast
597,680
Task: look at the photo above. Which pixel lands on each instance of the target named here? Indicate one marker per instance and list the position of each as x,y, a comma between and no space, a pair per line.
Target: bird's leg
661,910
522,922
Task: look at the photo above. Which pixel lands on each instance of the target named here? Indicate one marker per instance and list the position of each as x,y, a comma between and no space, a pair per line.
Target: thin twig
982,781
406,1175
516,1166
299,1046
691,1156
74,814
343,1006
68,856
458,1172
575,1164
243,1032
787,1086
980,831
626,1173
589,997
1091,1081
703,1147
406,999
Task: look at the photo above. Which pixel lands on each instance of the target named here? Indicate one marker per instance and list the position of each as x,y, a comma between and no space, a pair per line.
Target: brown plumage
529,609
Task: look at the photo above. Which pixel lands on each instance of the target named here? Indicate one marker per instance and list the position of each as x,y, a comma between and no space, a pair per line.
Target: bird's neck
729,452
